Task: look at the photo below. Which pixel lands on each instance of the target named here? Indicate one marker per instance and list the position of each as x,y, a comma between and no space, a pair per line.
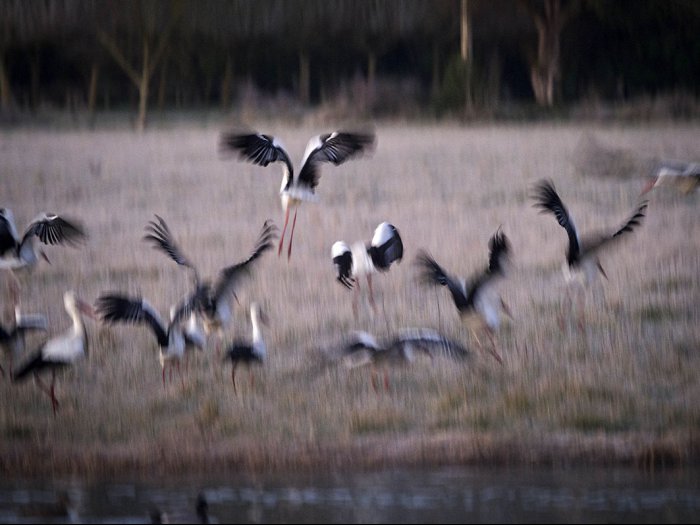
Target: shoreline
366,454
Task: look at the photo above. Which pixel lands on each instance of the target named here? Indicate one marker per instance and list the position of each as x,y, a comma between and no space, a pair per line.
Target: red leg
163,375
291,235
374,380
54,401
284,229
179,372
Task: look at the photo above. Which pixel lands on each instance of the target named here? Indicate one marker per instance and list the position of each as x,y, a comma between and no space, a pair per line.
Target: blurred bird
248,353
61,351
174,338
49,229
211,301
477,302
336,148
362,348
582,264
12,339
684,176
366,259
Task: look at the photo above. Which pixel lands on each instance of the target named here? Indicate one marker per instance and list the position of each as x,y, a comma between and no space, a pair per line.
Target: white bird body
478,303
582,266
45,228
684,176
364,260
173,338
242,352
63,350
260,149
13,339
210,302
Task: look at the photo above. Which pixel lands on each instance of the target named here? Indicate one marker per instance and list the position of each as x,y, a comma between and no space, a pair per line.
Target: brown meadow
623,390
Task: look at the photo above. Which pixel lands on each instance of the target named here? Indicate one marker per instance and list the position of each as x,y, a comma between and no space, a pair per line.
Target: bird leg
371,293
163,375
49,391
386,380
284,230
493,349
355,299
233,378
179,372
291,235
374,380
251,377
506,309
2,371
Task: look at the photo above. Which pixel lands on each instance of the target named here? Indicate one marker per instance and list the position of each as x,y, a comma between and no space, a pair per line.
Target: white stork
478,304
336,148
248,353
582,264
684,176
211,301
174,338
24,252
363,259
61,351
362,348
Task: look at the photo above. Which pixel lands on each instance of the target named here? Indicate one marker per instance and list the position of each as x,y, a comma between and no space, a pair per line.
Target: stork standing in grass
61,351
174,338
582,265
477,301
366,259
248,353
25,252
336,148
211,301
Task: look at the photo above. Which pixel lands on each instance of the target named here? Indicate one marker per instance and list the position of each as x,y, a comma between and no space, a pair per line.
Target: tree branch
114,50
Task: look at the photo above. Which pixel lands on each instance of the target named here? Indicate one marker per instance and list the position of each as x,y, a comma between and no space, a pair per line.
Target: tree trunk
92,90
466,53
35,79
5,89
304,78
226,84
435,82
549,21
162,85
143,90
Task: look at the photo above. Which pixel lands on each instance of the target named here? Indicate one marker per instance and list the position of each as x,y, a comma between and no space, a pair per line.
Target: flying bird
211,300
360,259
582,264
174,338
477,302
24,252
248,353
334,148
684,176
61,351
361,348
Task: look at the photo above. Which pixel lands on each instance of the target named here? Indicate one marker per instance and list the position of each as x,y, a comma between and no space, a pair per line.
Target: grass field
623,390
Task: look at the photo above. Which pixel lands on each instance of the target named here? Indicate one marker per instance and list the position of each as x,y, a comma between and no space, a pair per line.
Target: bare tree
550,17
146,25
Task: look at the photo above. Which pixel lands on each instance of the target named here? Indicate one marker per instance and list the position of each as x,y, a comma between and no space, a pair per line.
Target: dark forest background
371,58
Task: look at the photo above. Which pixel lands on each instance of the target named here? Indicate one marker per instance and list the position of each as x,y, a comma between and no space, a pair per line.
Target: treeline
373,57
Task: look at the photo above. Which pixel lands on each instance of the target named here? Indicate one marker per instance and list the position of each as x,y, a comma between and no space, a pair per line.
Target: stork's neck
258,343
78,324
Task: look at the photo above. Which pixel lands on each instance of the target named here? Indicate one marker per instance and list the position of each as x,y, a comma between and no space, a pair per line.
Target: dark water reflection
444,495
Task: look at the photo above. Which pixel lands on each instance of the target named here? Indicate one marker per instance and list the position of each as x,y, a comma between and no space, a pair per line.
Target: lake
444,495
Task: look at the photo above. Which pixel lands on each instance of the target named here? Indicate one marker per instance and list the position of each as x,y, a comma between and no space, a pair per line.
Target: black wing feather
256,148
343,264
335,148
52,229
163,240
113,308
548,201
432,273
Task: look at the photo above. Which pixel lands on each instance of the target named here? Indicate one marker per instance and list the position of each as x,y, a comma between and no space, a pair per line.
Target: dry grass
625,390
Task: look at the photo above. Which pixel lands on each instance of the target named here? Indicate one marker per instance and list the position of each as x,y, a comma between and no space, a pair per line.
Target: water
443,495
